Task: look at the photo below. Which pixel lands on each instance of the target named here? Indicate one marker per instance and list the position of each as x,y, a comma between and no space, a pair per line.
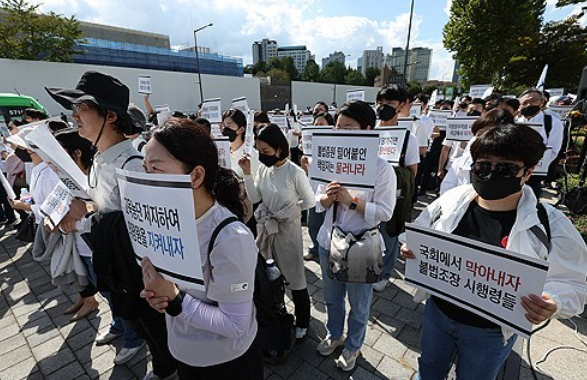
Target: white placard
459,128
223,146
306,120
307,138
45,145
541,168
212,110
250,134
555,92
562,111
280,121
241,105
159,213
7,187
355,95
406,123
348,157
484,279
477,91
439,117
163,108
416,110
162,117
215,130
145,84
391,144
56,205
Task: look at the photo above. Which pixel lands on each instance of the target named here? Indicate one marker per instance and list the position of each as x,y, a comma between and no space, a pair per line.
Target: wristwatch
174,308
354,203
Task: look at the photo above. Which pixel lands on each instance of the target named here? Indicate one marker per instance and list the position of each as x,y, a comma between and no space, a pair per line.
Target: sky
324,26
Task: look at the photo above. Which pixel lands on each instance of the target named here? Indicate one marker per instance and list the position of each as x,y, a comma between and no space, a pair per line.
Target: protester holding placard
212,332
497,209
320,107
356,213
260,118
284,192
99,104
139,121
234,126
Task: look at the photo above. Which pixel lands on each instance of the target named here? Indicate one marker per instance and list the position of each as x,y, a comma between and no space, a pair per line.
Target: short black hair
323,104
492,118
478,101
512,102
510,142
423,98
239,119
272,135
532,90
360,112
71,141
57,125
392,92
35,114
261,117
467,97
204,123
325,115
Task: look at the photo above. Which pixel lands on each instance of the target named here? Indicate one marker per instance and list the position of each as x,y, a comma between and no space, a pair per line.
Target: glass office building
120,54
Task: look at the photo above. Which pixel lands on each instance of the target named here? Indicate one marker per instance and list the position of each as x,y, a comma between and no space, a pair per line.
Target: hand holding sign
158,291
538,309
245,163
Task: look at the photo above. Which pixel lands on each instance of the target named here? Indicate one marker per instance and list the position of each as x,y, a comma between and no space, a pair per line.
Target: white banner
212,110
406,123
241,105
159,213
555,92
416,110
250,134
7,187
355,95
477,91
562,111
348,157
459,128
52,153
223,146
484,279
307,138
391,143
306,120
163,108
145,84
56,205
439,117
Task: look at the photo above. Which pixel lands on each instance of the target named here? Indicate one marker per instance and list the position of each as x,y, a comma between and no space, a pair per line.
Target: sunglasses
486,170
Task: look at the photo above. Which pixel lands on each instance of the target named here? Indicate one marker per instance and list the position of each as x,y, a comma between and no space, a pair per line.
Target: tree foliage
564,3
28,34
311,72
285,64
278,76
355,78
334,72
370,74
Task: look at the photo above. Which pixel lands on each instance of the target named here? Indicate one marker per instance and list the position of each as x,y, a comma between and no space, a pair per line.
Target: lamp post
198,60
408,45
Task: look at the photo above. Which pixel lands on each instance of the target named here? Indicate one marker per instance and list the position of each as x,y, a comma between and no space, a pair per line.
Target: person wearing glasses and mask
497,209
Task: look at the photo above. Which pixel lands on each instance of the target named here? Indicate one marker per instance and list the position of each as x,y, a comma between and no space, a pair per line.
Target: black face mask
385,112
267,160
530,111
23,155
231,134
495,188
474,113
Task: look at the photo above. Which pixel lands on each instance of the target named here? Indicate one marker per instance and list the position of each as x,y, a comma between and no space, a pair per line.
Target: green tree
355,78
311,72
370,74
564,3
278,76
285,64
334,72
485,35
28,34
414,88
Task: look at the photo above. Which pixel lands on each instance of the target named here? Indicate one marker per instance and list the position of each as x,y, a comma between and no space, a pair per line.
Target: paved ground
38,342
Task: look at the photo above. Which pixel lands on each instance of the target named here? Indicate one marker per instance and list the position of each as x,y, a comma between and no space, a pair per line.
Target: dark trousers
301,300
21,213
246,367
6,211
151,325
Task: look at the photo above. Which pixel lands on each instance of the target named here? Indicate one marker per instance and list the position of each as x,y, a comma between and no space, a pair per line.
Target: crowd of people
487,192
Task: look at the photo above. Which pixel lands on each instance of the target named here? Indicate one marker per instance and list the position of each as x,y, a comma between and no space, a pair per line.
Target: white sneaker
106,337
328,346
300,332
126,354
380,286
347,360
308,256
151,376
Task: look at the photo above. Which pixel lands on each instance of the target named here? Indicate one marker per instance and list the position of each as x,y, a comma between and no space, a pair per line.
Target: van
12,107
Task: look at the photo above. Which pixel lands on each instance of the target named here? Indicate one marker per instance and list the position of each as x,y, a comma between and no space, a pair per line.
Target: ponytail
228,192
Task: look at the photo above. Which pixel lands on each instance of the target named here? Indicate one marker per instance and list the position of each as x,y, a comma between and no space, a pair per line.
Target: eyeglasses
486,169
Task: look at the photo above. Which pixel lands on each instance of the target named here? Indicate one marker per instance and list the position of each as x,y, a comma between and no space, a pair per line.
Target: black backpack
406,187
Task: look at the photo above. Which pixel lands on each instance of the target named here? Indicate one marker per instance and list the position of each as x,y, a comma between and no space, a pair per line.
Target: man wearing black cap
99,103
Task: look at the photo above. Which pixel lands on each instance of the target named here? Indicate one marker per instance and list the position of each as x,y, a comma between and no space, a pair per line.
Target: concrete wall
173,88
306,94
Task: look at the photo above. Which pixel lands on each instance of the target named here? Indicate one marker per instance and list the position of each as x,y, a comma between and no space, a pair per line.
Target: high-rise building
418,63
456,78
372,58
337,56
264,50
300,55
360,64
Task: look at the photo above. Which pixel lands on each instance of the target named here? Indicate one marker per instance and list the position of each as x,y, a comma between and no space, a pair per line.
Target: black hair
325,115
261,117
71,141
510,142
423,98
360,112
546,94
272,135
193,146
35,114
239,119
323,104
393,92
532,90
512,102
57,125
123,123
179,115
492,118
467,97
204,123
478,101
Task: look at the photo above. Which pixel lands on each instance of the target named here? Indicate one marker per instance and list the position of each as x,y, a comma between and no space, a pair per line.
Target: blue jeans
391,251
360,296
480,351
120,325
315,221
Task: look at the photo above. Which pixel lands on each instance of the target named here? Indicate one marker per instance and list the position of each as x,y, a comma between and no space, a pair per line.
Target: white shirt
420,130
43,181
554,139
379,206
237,155
429,123
457,148
229,267
280,187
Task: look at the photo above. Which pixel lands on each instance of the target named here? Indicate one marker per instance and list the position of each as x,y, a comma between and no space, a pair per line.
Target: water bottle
272,271
26,197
